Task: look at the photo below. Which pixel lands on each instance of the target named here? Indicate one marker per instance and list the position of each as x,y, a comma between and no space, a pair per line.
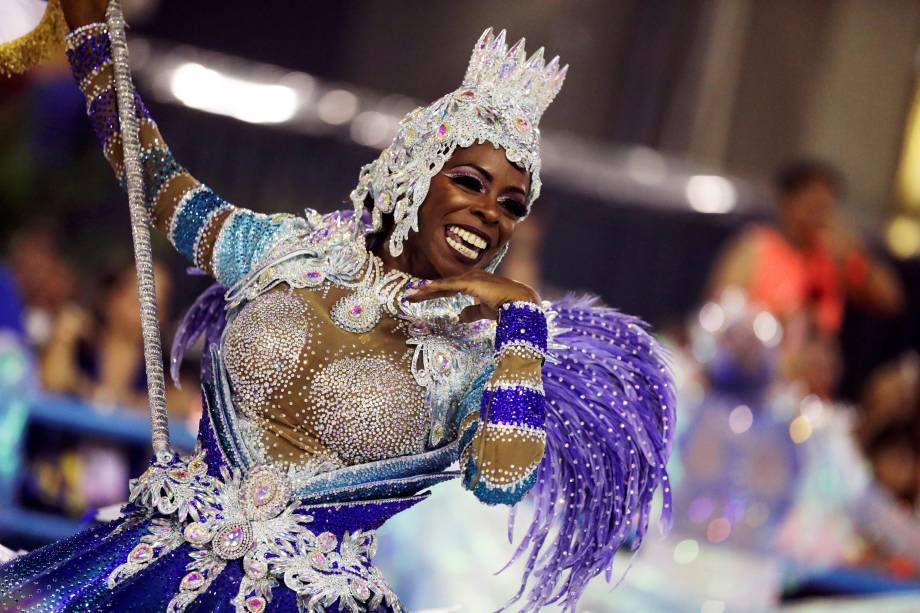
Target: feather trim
609,422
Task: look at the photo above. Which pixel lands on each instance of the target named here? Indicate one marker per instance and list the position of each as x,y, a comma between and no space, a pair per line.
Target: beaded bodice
327,361
312,388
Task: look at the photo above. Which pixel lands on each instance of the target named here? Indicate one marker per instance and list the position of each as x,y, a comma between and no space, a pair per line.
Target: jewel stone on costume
88,51
359,312
195,209
263,346
367,408
158,166
242,239
501,458
521,323
515,405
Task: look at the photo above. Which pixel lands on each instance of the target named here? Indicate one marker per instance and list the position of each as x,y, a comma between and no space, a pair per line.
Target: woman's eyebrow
485,173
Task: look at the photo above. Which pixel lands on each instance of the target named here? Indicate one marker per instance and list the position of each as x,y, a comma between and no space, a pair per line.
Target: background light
904,236
800,429
711,194
208,90
740,419
374,129
767,329
712,317
686,551
337,107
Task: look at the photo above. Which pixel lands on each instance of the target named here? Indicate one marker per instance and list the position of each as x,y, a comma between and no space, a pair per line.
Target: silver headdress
503,96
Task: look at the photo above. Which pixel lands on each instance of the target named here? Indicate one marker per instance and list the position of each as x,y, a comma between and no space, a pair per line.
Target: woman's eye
515,207
468,182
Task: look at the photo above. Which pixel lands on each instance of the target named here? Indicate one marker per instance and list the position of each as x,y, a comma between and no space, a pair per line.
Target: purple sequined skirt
74,574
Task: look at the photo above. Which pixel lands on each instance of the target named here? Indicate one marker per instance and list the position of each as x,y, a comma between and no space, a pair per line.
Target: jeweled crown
510,74
501,101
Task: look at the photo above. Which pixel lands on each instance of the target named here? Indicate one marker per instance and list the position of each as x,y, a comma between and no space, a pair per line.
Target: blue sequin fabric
196,208
75,574
512,411
91,51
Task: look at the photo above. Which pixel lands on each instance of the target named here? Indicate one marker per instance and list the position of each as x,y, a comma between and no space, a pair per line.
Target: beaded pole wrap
140,232
502,98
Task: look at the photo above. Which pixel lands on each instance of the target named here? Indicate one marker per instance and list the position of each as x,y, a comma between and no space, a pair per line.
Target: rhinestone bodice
310,388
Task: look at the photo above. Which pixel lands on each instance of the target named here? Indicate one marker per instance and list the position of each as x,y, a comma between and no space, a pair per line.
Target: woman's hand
490,292
82,12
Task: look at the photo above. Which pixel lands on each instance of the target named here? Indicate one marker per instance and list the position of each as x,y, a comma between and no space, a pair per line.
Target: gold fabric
21,54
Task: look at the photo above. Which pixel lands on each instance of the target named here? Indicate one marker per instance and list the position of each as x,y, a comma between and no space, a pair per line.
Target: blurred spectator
45,280
889,429
101,357
810,262
893,453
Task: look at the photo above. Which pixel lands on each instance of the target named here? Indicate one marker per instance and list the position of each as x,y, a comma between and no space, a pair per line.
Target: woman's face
470,213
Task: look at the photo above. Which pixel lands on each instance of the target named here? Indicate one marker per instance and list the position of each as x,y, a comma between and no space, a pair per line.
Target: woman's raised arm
216,236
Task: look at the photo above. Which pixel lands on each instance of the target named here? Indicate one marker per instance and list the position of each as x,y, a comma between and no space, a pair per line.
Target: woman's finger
440,288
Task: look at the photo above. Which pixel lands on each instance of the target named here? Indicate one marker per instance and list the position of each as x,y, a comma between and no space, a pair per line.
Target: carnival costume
332,403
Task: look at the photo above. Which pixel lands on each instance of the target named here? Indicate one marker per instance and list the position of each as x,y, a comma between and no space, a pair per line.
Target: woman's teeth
472,239
462,249
466,243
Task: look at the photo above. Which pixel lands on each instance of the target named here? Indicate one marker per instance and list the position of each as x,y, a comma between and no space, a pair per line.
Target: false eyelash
459,176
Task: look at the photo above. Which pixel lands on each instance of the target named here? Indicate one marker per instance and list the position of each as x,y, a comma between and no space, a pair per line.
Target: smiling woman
352,358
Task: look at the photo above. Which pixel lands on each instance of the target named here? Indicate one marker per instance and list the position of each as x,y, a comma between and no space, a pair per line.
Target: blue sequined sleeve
502,445
213,234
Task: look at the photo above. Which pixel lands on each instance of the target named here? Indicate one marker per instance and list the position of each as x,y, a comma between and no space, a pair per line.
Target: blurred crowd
85,338
777,477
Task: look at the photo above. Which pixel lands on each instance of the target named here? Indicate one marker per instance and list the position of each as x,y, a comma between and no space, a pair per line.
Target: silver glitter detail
262,348
140,231
369,399
273,539
360,311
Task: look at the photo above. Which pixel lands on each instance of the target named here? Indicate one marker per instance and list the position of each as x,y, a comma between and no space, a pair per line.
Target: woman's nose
486,208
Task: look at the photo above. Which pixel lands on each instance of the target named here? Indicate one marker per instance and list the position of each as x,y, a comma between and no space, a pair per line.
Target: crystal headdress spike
509,74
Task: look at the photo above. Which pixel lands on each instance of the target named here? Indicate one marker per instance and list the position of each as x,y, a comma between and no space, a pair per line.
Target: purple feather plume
609,425
206,317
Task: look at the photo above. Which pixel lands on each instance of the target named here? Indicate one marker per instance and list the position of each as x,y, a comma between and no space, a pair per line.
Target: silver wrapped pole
140,231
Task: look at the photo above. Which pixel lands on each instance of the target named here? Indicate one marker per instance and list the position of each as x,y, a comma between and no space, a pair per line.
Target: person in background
809,263
102,361
45,280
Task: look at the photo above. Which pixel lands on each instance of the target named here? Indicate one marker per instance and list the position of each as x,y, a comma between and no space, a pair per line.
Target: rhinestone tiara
509,73
501,101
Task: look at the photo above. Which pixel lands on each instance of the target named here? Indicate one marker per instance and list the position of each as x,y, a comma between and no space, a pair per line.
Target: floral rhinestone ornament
255,520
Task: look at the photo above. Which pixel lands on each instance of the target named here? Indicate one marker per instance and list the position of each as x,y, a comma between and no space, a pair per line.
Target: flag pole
140,232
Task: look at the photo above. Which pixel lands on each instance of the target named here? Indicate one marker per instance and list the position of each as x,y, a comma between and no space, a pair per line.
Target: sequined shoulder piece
305,254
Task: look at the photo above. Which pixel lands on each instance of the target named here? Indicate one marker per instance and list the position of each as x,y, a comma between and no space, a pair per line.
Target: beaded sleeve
216,236
504,441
